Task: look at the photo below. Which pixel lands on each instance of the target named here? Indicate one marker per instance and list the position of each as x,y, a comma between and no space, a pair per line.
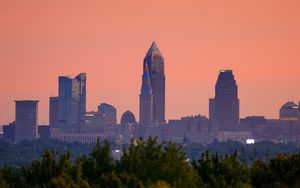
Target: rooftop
153,49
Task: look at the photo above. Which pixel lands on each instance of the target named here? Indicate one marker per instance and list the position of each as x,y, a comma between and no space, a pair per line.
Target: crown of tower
153,49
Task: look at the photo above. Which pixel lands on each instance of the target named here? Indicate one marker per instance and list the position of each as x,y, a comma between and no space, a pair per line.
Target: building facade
72,102
26,124
155,63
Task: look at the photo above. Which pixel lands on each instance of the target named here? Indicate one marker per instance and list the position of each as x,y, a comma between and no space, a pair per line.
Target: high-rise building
26,124
53,112
225,105
72,102
146,99
155,63
110,113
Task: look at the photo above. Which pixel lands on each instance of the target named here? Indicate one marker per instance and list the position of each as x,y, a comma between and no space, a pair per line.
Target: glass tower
72,102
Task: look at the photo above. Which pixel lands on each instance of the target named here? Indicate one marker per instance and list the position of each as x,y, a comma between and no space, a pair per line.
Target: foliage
153,165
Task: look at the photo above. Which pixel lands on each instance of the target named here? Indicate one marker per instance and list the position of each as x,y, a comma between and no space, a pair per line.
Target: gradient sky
108,39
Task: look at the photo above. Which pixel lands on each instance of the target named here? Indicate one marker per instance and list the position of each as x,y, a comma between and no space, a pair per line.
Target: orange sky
108,39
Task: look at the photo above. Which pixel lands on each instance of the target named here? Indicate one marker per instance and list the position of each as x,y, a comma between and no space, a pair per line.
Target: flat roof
27,101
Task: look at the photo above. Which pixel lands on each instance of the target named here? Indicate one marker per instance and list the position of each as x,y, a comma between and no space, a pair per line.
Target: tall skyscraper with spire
155,65
225,106
146,99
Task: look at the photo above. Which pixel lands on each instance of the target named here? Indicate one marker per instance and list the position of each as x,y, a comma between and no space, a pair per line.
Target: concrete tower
26,125
155,63
146,99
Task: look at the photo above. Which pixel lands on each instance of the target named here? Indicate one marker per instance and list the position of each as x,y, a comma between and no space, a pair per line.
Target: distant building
254,120
155,64
82,137
146,99
53,112
289,111
225,105
196,129
212,109
238,136
44,131
26,120
128,118
9,132
154,132
109,111
72,102
95,122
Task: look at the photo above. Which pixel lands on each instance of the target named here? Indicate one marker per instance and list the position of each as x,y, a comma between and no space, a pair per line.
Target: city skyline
261,49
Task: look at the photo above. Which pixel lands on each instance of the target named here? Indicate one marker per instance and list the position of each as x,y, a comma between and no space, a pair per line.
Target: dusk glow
108,40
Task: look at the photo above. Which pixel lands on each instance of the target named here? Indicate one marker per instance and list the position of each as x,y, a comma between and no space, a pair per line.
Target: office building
26,124
155,63
110,112
9,132
72,102
225,106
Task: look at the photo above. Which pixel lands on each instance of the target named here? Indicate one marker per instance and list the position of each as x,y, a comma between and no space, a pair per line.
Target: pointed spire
146,87
153,49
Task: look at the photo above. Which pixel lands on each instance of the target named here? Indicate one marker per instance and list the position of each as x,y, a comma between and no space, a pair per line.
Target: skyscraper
225,106
155,63
26,124
146,99
53,111
72,102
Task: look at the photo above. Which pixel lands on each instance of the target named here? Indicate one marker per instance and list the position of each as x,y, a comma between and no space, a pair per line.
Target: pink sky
108,39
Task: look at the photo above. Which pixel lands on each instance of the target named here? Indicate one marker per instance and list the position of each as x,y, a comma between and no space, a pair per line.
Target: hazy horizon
258,40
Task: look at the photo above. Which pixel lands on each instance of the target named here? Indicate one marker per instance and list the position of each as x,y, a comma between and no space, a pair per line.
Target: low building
9,132
197,129
44,131
289,111
238,136
95,122
81,137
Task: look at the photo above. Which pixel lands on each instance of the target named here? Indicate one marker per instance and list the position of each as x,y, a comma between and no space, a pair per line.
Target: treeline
150,164
22,153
